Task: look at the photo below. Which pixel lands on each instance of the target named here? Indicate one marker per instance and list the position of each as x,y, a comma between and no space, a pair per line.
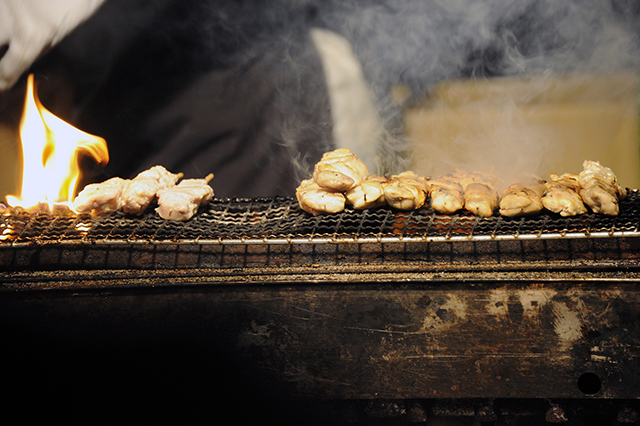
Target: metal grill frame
389,310
281,221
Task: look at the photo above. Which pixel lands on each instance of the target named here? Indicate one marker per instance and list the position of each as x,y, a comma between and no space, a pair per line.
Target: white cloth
30,27
356,122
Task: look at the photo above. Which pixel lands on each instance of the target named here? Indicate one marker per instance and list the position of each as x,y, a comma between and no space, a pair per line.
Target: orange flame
50,150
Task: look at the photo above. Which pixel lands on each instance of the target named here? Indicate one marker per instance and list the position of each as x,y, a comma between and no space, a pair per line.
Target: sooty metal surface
362,305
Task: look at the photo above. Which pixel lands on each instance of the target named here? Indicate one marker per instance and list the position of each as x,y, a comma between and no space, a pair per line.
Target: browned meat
599,188
406,191
446,193
369,193
480,199
316,200
480,193
521,199
563,196
339,170
181,202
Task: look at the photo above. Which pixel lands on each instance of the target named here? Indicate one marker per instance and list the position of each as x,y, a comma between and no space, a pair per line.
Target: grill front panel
360,305
276,233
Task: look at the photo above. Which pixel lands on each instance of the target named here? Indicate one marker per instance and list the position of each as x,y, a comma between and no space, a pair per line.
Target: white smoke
419,44
423,42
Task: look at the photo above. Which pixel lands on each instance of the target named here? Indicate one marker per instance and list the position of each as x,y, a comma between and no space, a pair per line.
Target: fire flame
50,151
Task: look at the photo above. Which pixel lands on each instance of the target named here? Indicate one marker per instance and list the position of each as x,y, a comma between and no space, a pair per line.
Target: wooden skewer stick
208,177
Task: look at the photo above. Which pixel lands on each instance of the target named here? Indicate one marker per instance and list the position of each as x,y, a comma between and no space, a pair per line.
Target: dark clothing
226,87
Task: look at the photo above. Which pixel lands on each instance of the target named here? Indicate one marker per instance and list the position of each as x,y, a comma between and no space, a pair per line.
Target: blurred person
256,91
236,88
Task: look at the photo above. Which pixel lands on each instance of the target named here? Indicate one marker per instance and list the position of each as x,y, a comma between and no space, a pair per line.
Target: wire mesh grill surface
280,220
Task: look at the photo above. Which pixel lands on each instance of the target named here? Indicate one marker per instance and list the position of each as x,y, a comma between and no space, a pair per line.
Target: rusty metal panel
443,339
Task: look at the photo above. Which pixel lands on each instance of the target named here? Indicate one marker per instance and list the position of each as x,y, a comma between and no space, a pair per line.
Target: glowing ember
5,232
83,228
50,150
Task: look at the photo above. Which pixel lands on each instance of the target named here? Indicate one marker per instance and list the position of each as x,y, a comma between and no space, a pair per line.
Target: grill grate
280,220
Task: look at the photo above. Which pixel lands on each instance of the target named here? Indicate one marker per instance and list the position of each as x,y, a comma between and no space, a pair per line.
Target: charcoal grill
412,311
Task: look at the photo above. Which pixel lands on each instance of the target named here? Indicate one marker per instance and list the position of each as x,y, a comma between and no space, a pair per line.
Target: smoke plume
419,44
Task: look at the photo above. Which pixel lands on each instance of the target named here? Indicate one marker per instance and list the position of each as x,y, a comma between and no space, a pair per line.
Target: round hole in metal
589,383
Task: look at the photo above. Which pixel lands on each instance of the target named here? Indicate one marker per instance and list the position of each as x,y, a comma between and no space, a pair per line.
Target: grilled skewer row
340,178
134,196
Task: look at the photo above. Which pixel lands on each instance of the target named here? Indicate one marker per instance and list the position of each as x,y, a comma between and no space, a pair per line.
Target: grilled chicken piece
406,191
339,170
599,188
465,179
101,197
367,194
479,193
141,191
317,200
446,193
480,199
181,202
522,199
563,195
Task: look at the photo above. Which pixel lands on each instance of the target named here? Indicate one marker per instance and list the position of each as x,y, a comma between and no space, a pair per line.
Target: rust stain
450,311
566,323
503,303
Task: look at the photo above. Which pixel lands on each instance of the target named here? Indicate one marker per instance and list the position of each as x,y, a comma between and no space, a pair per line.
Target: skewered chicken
480,193
599,188
340,177
522,199
134,196
367,194
480,199
101,197
180,202
475,177
316,200
563,195
141,190
446,193
339,170
406,191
